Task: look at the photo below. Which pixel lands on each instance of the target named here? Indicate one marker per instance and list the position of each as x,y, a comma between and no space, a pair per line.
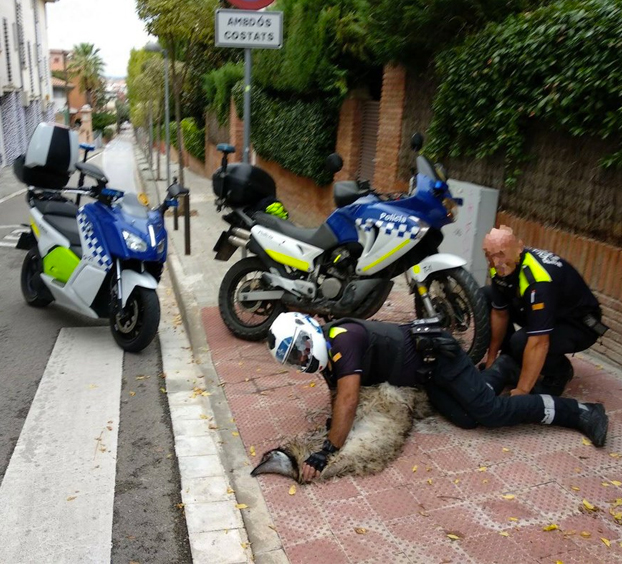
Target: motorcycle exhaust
241,233
237,241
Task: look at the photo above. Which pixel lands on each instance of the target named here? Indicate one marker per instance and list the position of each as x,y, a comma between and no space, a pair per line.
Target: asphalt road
147,523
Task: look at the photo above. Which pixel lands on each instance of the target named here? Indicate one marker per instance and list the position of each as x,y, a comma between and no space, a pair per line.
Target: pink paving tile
450,461
334,490
385,480
399,502
532,439
574,556
444,552
559,464
594,523
428,443
259,432
501,510
442,492
518,475
549,499
492,548
419,529
475,483
492,452
376,545
543,544
464,520
603,554
318,551
591,488
349,514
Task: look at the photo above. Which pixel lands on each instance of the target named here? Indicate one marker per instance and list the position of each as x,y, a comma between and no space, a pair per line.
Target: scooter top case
50,159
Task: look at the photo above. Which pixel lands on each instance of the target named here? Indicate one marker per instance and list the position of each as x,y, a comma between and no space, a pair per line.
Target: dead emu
384,418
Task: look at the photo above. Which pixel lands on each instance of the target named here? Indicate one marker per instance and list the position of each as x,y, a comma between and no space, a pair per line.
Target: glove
318,460
431,347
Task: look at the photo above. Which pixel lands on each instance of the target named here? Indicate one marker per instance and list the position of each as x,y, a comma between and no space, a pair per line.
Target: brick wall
599,264
386,177
349,137
236,134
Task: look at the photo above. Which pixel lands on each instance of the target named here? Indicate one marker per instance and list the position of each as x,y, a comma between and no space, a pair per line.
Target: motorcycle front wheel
34,290
248,320
136,325
461,306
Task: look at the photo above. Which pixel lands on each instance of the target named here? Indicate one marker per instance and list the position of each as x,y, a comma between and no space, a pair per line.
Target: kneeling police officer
351,353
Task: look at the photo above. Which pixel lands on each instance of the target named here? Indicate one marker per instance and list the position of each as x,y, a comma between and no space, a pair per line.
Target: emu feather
384,418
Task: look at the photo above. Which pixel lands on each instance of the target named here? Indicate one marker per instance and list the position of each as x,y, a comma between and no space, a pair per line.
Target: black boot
554,381
593,423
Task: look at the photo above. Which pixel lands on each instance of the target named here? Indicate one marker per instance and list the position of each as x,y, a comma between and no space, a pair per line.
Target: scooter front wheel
34,290
135,326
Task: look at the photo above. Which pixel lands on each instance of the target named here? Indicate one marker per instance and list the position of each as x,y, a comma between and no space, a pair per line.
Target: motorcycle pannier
50,158
243,185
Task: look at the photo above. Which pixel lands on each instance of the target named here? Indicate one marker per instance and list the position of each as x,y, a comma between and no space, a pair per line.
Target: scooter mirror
175,190
334,163
416,142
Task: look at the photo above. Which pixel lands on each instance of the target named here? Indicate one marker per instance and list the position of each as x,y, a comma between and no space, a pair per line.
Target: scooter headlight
134,242
451,207
161,244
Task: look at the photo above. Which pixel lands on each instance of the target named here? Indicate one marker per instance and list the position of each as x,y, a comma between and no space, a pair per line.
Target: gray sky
111,25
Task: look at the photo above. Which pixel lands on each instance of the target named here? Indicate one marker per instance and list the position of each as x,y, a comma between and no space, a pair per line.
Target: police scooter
103,259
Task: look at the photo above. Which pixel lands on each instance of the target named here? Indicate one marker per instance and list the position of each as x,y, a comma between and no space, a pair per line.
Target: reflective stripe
287,260
334,331
493,272
531,271
549,409
387,255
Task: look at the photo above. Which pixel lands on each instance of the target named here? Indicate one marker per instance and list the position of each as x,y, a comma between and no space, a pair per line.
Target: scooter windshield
425,167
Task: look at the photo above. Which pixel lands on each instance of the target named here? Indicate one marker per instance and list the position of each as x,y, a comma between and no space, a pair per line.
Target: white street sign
249,29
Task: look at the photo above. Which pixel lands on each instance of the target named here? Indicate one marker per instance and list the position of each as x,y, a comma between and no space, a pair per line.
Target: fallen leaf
252,451
428,469
551,527
230,491
575,488
482,468
181,505
453,537
360,531
169,456
586,534
589,506
457,481
235,433
617,502
485,481
508,496
615,454
140,377
241,506
71,498
312,385
205,394
504,449
245,545
292,490
504,534
109,427
203,416
212,426
430,481
93,386
415,468
163,390
586,441
616,483
606,541
559,562
132,394
513,519
424,513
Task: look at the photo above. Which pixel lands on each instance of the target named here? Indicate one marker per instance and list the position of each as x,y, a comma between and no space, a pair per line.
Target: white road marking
57,496
13,227
12,238
9,245
19,192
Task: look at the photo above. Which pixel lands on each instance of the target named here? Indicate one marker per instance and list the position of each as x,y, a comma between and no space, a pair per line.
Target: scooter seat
322,237
54,207
68,226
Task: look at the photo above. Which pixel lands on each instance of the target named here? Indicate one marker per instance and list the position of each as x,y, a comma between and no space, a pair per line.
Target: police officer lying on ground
548,299
351,353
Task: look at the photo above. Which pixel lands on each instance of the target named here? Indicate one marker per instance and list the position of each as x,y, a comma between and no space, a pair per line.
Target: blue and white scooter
103,259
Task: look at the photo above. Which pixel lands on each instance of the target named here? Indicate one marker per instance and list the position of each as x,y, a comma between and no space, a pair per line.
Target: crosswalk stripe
10,245
11,238
57,496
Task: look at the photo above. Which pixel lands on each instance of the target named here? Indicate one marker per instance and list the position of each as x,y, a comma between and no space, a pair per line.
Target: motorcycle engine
331,288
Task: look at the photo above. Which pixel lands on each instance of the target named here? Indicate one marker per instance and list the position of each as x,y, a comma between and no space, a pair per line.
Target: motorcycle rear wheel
34,290
460,303
249,320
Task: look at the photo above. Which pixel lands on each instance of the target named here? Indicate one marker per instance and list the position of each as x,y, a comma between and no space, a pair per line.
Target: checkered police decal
389,228
92,251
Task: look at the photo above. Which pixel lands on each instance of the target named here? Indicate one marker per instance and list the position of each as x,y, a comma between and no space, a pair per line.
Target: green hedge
217,86
559,65
101,120
297,134
194,138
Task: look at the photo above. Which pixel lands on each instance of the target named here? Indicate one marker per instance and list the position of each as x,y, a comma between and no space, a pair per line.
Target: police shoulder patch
337,357
536,307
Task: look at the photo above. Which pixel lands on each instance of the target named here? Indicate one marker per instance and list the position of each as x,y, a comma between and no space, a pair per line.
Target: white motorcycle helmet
297,339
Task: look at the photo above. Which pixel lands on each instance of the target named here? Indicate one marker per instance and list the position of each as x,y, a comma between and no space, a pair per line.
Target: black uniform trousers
467,397
566,338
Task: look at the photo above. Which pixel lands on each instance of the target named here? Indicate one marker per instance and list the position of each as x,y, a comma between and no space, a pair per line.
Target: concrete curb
265,543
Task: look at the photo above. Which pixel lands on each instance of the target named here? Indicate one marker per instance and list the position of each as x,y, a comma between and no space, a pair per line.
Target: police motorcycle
102,259
345,267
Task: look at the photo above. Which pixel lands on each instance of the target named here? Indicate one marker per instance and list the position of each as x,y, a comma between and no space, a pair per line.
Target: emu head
277,461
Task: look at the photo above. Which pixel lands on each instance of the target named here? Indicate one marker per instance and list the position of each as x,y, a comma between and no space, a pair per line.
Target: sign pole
248,67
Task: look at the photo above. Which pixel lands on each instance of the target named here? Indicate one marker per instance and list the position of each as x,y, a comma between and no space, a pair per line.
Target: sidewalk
479,496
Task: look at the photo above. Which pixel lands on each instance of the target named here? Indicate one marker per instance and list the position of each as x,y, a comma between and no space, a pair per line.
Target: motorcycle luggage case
347,192
50,158
244,185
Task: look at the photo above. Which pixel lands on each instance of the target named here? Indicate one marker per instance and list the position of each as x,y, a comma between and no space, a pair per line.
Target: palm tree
87,65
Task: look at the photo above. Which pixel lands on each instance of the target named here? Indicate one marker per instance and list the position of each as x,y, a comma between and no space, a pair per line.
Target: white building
25,78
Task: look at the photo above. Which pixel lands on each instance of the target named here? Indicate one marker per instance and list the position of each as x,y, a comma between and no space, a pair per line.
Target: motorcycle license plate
223,249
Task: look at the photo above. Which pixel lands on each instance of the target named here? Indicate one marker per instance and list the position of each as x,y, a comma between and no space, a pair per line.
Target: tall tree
87,66
183,27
